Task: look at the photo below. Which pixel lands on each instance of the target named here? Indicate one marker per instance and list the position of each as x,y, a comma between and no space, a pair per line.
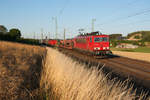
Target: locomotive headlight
107,47
104,48
96,48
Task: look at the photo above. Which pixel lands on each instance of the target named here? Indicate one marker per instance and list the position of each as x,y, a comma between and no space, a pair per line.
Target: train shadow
113,56
108,57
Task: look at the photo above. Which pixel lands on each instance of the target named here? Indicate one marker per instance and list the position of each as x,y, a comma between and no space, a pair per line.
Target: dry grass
64,79
20,68
134,55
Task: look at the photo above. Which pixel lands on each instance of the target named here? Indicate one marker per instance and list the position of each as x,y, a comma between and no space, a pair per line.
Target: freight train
94,43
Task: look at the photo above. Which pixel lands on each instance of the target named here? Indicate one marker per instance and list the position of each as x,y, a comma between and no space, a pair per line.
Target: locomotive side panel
98,44
52,42
91,42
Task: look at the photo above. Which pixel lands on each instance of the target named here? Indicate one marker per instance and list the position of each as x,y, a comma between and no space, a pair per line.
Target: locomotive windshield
100,39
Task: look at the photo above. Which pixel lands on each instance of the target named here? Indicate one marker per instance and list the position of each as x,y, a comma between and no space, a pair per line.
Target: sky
111,16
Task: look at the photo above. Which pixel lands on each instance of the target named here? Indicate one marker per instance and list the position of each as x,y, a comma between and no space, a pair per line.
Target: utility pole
64,33
93,20
56,32
41,34
49,35
34,36
56,27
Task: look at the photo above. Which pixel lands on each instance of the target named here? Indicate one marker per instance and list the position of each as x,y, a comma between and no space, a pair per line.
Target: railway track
137,71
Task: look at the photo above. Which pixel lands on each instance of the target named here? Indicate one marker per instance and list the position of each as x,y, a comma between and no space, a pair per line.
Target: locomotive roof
97,33
84,36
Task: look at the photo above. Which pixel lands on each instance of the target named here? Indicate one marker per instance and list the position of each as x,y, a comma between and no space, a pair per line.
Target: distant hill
139,35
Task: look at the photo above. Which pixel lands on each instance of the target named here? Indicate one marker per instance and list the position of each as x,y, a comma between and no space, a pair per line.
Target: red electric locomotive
95,42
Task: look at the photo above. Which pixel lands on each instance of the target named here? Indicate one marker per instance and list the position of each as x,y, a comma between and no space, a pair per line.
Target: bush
29,41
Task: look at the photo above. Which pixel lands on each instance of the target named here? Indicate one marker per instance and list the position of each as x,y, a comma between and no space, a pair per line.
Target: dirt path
134,55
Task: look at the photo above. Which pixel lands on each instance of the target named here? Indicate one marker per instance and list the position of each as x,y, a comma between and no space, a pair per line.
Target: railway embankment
68,77
64,78
134,55
120,67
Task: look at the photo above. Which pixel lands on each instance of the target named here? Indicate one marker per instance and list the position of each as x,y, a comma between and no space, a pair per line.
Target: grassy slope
65,79
140,49
20,67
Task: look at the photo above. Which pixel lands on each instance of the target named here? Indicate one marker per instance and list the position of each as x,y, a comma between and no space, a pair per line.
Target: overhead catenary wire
128,16
63,8
139,13
115,20
58,16
136,22
133,2
67,1
130,3
123,6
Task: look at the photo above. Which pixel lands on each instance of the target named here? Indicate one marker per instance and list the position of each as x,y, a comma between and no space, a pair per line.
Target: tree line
14,35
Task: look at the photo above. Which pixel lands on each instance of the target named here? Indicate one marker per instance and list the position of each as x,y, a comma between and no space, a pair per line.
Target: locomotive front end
101,45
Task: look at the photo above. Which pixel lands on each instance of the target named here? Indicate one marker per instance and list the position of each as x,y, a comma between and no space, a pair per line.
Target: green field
140,49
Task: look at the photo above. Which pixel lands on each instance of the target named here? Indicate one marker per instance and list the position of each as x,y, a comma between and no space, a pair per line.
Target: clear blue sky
111,16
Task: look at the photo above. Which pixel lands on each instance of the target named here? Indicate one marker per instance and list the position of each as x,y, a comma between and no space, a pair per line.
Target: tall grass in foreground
65,79
20,70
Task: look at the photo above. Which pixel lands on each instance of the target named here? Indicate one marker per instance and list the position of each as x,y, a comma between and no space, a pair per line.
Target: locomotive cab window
100,39
90,39
105,39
